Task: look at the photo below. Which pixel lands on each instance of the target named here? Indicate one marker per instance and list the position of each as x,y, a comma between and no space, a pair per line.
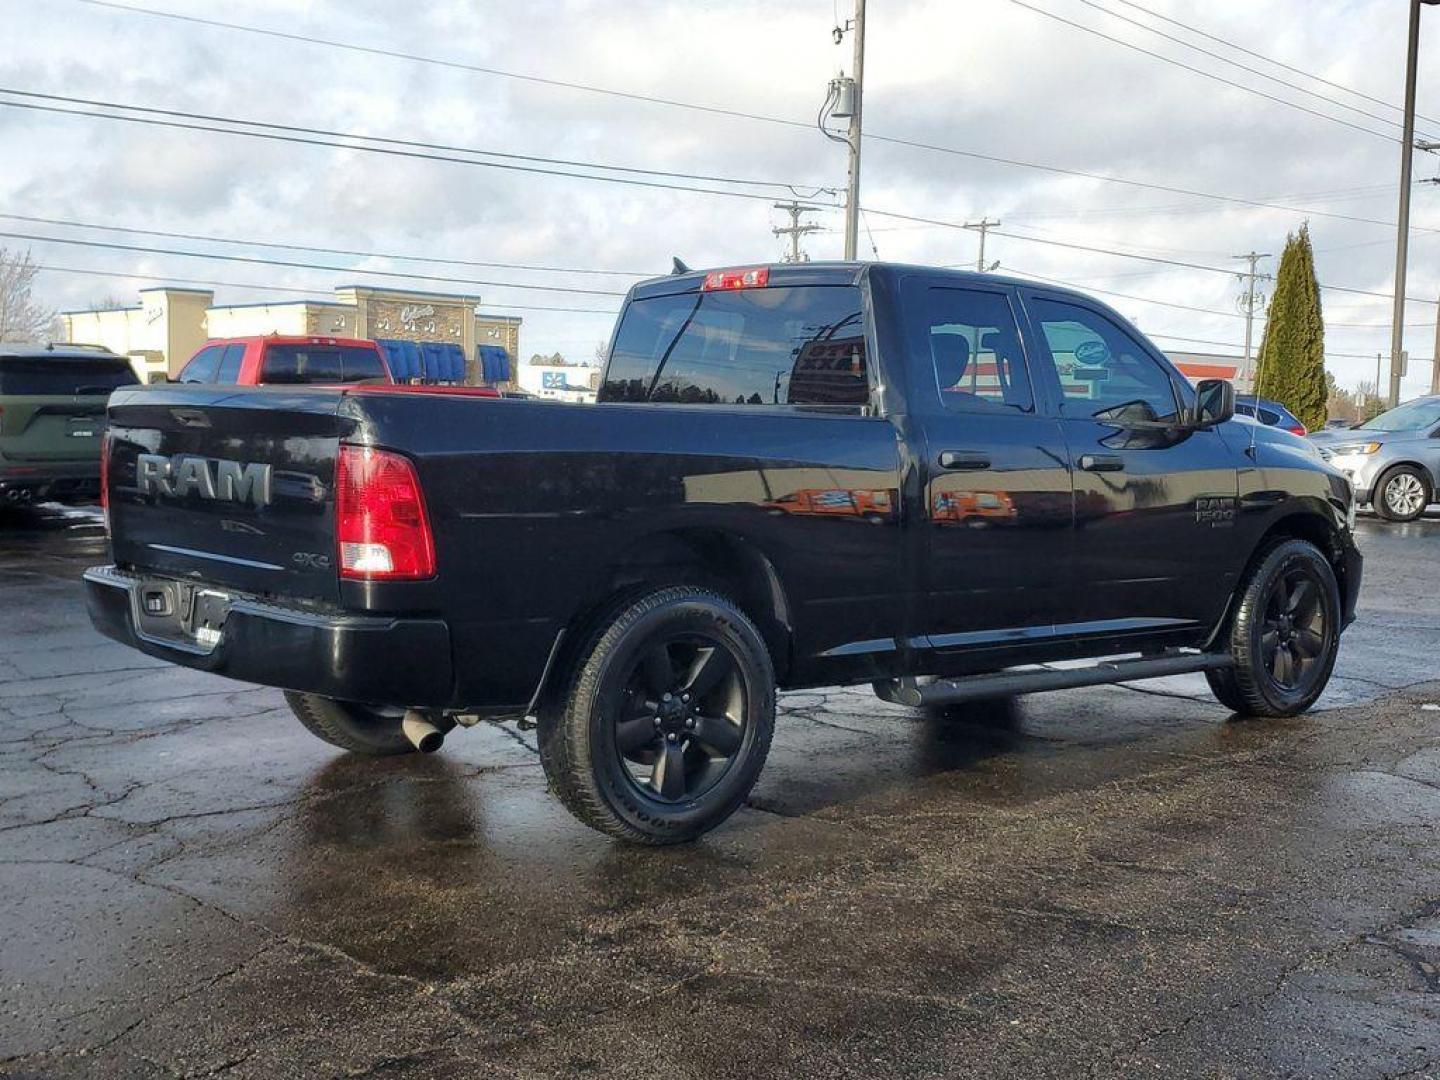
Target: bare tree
22,318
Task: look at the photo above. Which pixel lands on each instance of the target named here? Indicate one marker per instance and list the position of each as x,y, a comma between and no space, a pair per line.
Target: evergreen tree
1291,365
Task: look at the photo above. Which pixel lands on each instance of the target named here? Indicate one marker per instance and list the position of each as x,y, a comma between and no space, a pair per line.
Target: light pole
1402,239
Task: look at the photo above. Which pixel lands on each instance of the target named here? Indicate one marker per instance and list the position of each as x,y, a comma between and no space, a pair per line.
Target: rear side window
971,339
1270,417
203,366
62,377
294,364
229,370
797,345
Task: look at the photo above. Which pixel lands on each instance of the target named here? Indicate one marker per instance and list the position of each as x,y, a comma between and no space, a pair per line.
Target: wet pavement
1110,882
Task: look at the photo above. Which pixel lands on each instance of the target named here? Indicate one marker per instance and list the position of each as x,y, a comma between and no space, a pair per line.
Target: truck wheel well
1316,530
704,557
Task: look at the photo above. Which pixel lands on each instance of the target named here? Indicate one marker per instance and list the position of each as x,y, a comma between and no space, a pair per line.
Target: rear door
996,479
227,486
1154,501
52,409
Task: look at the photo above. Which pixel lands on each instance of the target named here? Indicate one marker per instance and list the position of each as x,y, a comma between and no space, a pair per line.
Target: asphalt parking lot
1109,882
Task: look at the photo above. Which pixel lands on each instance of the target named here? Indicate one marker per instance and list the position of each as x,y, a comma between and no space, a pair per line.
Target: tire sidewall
709,616
1282,558
1382,506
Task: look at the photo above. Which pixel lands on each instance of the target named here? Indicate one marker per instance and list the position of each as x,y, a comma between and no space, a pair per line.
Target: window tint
1269,416
798,345
203,365
1245,410
1104,372
229,371
40,377
970,337
295,364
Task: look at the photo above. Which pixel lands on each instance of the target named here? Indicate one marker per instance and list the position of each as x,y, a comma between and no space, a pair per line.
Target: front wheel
1402,494
667,719
1284,635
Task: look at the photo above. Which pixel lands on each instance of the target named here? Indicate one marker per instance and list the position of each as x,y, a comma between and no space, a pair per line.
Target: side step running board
1034,680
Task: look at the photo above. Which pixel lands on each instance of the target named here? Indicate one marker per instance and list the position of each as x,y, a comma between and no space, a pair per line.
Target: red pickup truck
275,359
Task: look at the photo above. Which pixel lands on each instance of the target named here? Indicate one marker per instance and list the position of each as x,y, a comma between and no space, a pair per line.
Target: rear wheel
666,722
372,730
1402,494
1284,635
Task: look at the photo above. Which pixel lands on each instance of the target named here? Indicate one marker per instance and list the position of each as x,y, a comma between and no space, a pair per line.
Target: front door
996,480
1154,500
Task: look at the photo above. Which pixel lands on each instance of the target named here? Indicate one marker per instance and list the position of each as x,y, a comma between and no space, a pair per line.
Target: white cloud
983,75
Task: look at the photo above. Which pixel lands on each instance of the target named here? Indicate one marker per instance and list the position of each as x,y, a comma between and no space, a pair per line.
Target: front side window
203,366
1104,373
797,345
971,340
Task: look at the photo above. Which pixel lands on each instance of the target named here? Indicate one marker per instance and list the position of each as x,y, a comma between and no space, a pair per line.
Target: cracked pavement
1118,881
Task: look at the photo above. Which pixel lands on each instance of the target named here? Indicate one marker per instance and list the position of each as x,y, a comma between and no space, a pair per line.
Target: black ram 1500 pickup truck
939,483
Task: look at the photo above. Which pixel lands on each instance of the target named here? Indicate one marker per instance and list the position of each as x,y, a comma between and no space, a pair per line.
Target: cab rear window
60,377
797,345
292,364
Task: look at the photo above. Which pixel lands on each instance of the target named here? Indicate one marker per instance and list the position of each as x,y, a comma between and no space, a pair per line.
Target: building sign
418,322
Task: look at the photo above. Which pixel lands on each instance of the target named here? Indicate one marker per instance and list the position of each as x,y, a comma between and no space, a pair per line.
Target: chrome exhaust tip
423,735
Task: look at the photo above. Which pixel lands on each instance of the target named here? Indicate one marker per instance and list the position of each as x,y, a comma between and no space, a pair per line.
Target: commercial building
169,324
1196,366
561,382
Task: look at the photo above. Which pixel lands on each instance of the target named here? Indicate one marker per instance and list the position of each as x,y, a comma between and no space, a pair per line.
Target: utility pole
1249,303
852,197
1435,358
795,229
983,226
1402,237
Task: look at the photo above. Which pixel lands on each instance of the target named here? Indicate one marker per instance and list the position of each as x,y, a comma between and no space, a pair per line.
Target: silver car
1393,460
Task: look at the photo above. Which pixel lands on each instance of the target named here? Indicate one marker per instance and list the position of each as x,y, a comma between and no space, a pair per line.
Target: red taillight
757,277
381,527
105,480
1297,429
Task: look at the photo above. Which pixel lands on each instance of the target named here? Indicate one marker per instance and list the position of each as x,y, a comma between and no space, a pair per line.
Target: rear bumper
21,483
374,659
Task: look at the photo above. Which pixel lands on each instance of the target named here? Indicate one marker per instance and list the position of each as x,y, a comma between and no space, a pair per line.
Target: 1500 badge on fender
1215,510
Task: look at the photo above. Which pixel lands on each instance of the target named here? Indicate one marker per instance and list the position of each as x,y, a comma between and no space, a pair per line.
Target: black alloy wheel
1293,630
683,717
1284,633
664,719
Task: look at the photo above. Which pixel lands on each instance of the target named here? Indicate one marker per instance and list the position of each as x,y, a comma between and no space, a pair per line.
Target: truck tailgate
229,488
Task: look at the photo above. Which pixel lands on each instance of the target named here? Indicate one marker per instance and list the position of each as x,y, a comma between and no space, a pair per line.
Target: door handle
1102,462
964,460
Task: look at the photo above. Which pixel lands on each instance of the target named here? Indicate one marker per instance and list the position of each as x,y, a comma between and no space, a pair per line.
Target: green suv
52,417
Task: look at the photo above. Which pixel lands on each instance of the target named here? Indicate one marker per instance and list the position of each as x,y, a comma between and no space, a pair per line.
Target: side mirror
1214,403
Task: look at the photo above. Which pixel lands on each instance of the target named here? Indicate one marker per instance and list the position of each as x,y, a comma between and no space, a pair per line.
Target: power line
323,250
105,245
1201,71
1236,64
1187,307
1120,254
330,133
92,272
806,124
1270,59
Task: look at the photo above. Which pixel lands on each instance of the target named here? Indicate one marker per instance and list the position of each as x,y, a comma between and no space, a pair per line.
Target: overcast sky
987,76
